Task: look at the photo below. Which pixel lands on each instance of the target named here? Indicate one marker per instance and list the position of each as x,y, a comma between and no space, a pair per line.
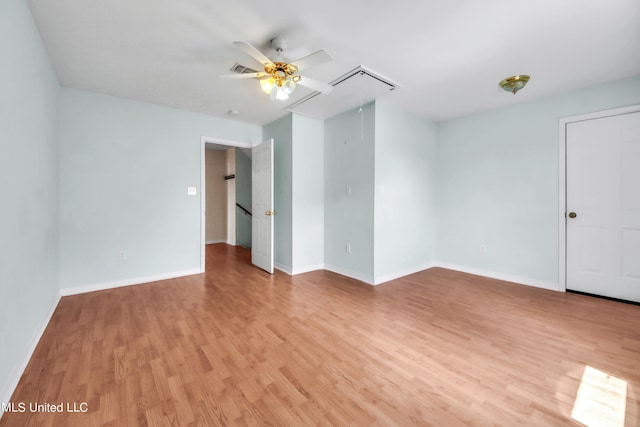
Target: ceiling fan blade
253,52
242,76
316,58
315,85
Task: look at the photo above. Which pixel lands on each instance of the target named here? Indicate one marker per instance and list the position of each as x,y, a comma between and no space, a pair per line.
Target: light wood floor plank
235,346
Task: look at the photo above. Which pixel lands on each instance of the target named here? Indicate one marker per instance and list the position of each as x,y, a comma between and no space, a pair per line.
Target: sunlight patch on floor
601,399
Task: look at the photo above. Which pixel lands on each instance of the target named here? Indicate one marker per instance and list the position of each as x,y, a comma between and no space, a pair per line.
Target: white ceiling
448,56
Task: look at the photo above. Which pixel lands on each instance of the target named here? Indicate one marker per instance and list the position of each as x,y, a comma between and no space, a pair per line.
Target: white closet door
603,206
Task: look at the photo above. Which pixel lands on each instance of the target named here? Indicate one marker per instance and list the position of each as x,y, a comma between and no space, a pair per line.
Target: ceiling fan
280,78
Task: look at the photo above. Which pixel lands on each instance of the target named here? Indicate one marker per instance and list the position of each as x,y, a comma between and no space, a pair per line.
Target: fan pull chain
361,111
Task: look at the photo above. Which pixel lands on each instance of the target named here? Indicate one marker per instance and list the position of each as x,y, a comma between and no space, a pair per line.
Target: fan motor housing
279,44
287,69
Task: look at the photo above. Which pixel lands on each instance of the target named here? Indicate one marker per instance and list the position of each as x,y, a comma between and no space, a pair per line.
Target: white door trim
204,140
562,181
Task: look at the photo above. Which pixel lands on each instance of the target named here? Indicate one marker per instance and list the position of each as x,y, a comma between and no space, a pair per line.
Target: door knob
268,213
572,215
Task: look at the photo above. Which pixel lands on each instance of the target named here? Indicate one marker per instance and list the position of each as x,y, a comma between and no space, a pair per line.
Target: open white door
262,206
603,206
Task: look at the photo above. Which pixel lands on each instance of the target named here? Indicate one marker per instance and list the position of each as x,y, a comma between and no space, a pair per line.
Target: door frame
204,140
562,181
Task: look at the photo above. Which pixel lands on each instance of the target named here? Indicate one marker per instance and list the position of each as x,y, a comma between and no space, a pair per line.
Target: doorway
600,207
223,221
260,188
220,194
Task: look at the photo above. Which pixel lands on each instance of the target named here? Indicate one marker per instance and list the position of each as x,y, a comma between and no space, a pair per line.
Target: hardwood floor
236,346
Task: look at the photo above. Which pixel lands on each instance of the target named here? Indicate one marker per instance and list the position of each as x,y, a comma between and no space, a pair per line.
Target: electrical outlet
191,191
122,255
347,248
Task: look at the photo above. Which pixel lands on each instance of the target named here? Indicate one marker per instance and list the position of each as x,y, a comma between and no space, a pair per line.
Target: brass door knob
268,213
572,215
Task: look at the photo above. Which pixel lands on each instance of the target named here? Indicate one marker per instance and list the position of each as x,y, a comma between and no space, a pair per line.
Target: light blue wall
307,193
281,132
405,215
125,169
497,182
29,91
243,198
349,161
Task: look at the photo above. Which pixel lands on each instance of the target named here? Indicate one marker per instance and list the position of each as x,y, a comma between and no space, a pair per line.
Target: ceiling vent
357,87
241,69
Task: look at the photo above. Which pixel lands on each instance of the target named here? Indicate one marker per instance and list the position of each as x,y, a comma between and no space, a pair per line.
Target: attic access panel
357,87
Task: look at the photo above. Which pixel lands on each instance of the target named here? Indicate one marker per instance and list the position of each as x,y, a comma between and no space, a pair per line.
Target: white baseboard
283,268
402,273
476,271
10,386
228,242
353,274
300,270
500,276
127,282
308,268
213,242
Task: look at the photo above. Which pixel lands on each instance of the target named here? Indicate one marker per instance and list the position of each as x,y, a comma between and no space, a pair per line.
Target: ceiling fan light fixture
267,84
281,93
280,79
514,83
289,86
